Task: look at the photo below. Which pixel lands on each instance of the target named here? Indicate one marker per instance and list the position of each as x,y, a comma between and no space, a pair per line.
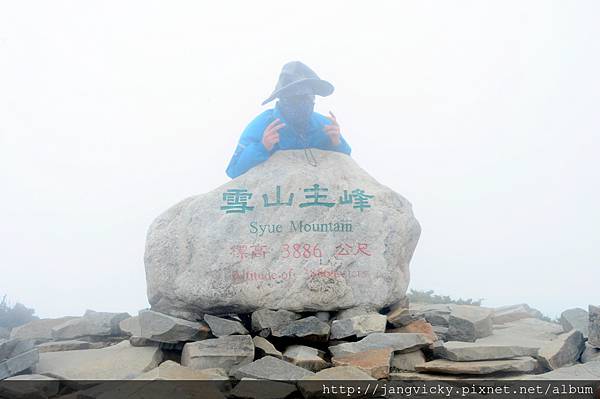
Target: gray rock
399,342
228,352
305,357
92,323
359,326
529,332
30,386
467,323
594,326
38,330
220,327
437,314
117,362
263,347
590,353
399,317
12,347
587,371
58,346
18,363
407,361
355,311
4,333
469,351
271,368
312,386
131,326
196,260
510,313
164,328
263,319
441,332
563,351
309,328
141,341
575,319
517,365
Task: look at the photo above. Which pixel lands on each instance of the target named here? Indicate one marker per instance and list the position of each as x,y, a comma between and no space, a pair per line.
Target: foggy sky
483,114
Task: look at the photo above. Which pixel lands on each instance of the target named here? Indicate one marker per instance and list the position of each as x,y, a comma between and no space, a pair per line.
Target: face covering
297,110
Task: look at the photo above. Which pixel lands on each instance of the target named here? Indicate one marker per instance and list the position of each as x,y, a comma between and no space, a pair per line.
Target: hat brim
318,87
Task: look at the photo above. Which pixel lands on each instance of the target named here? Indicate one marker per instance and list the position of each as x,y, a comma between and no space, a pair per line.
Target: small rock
38,330
359,326
164,328
309,328
407,361
400,342
459,351
590,353
305,357
506,314
220,327
562,351
18,363
594,326
467,323
92,323
575,319
519,364
229,353
267,318
271,368
263,347
418,326
375,362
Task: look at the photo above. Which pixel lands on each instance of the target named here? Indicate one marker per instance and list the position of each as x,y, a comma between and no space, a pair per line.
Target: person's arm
250,150
324,141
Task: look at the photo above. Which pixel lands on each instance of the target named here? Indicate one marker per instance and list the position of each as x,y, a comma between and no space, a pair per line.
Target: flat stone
437,314
170,370
141,341
575,319
400,342
520,364
251,388
220,327
375,362
18,363
594,326
417,326
459,351
467,323
506,314
164,328
359,326
407,361
58,346
590,353
529,332
38,330
131,326
263,347
271,368
228,352
29,386
92,323
355,311
563,351
12,347
267,318
196,261
308,328
587,371
306,357
399,317
312,386
117,362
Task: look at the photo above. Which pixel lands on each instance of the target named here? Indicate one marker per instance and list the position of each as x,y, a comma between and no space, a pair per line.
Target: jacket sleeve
250,151
324,142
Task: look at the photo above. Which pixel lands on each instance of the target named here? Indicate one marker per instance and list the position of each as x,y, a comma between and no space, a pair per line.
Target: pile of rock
402,342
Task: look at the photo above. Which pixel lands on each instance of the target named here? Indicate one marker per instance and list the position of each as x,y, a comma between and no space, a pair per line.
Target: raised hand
333,130
271,134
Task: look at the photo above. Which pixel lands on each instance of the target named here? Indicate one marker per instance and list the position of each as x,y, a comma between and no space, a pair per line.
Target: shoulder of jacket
322,119
257,125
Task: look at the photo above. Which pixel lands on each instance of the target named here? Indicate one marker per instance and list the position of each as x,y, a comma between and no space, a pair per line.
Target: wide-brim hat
297,78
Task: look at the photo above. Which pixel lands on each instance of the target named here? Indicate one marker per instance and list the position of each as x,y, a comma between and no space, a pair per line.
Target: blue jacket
250,151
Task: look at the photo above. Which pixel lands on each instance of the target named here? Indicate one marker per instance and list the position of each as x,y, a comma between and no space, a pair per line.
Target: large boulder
284,235
594,326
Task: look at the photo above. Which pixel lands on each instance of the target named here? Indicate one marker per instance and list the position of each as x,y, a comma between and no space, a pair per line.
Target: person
291,124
